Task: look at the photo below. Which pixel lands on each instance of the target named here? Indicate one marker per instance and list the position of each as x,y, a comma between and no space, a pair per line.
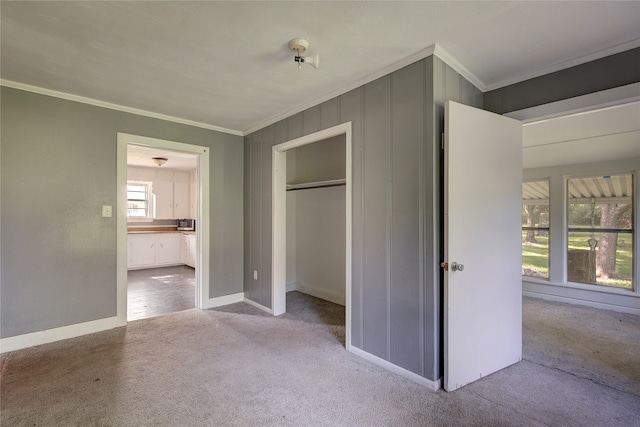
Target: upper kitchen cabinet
163,194
171,190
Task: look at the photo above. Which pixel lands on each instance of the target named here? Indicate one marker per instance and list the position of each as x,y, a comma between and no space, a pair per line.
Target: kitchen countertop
156,230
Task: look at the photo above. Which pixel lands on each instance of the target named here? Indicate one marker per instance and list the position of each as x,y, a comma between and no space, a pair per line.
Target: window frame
149,200
547,229
566,229
558,287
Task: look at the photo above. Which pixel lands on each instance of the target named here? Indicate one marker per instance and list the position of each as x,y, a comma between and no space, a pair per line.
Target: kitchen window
139,199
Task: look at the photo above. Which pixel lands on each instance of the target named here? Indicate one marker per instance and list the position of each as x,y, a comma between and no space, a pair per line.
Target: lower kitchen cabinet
189,250
153,250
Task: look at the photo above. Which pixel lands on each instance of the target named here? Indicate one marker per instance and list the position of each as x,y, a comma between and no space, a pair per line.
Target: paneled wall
396,185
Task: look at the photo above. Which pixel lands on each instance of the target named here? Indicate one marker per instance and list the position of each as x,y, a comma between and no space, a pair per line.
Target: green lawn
535,258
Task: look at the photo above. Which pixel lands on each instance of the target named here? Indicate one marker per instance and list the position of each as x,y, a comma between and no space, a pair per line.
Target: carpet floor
237,366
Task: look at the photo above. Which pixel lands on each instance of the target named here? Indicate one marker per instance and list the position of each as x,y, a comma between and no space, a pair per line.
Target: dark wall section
606,73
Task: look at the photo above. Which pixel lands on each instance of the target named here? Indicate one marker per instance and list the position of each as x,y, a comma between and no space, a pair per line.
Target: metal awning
604,189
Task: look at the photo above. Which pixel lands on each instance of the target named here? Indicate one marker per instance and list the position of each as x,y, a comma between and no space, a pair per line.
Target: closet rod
317,186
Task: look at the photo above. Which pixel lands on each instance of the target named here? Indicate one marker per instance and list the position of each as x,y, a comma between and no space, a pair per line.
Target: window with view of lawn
599,230
535,229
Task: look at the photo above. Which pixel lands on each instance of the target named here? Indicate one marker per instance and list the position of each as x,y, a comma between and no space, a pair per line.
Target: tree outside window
600,230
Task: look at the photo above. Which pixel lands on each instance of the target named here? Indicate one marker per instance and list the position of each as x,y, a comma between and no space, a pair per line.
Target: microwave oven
186,224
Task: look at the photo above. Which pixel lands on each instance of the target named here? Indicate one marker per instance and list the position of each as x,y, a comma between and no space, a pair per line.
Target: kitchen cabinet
168,249
153,250
171,190
141,250
189,250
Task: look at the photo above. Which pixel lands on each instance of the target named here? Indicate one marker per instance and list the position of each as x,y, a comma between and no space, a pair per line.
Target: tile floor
156,291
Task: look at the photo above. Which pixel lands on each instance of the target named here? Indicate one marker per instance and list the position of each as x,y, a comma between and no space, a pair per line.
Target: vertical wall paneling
256,214
407,115
351,108
311,120
329,113
248,189
296,126
447,85
375,256
433,218
397,122
268,135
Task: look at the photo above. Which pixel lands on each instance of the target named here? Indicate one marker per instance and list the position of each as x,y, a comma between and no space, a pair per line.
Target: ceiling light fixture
159,160
299,46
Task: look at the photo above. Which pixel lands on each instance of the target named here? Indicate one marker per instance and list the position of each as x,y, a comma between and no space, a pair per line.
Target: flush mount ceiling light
299,46
159,160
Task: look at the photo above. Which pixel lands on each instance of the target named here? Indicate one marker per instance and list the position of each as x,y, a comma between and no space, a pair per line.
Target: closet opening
312,219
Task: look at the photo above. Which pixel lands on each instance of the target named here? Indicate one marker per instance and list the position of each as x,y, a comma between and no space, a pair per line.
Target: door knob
456,267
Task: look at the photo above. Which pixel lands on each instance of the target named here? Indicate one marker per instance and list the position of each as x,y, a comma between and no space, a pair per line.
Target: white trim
587,303
319,292
566,64
431,385
260,306
458,67
202,217
56,334
112,106
224,300
579,104
279,221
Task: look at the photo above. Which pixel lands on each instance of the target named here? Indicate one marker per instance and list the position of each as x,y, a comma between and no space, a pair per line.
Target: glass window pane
535,229
600,231
137,199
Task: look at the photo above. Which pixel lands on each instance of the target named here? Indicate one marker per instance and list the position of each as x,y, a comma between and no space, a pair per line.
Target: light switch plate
255,274
106,211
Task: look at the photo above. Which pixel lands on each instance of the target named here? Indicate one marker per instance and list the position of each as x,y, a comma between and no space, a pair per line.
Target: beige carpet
238,367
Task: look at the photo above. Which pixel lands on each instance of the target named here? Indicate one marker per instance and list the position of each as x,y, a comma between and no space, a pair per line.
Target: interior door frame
202,217
279,219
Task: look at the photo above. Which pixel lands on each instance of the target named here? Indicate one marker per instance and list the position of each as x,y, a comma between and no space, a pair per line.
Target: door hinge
442,140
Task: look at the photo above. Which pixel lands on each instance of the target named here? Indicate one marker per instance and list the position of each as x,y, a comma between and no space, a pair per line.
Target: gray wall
606,73
58,263
397,121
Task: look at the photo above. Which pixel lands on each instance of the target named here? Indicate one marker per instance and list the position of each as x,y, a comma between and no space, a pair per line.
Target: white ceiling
227,64
143,156
611,133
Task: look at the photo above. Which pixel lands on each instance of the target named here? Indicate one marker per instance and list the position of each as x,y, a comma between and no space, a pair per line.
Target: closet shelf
316,184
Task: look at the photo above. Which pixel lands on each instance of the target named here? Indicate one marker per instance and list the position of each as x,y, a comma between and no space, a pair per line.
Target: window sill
584,287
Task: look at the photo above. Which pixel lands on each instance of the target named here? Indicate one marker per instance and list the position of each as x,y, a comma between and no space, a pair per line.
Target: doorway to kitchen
163,227
161,210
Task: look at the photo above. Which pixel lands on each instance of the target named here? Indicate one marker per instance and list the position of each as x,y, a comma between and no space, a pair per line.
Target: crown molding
619,48
458,67
117,107
417,56
434,49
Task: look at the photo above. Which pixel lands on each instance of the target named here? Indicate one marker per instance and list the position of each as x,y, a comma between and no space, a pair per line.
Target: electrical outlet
106,211
255,274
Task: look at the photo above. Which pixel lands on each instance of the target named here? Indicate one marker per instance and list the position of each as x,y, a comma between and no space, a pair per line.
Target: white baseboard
293,286
587,303
431,385
322,293
224,300
260,306
50,335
